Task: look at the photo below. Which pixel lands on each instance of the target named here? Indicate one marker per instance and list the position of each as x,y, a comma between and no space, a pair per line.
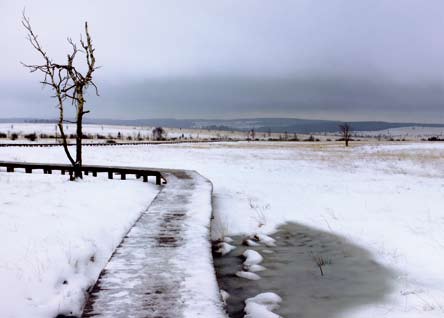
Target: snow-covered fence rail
53,144
48,168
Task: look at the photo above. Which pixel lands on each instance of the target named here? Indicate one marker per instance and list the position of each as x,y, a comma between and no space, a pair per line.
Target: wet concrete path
163,267
350,276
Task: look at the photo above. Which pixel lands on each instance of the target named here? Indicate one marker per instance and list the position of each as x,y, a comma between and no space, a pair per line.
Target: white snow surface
256,268
225,295
267,240
385,197
110,130
57,237
262,305
224,248
252,258
250,242
166,279
201,292
248,275
405,132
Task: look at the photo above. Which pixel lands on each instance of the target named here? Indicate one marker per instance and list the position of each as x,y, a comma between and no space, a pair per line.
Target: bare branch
345,130
67,83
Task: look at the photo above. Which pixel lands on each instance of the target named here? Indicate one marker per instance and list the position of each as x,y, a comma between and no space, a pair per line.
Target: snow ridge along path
164,267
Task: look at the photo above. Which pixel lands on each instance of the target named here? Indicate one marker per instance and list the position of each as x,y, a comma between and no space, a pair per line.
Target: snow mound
225,295
248,275
224,248
252,258
265,239
262,305
256,268
250,242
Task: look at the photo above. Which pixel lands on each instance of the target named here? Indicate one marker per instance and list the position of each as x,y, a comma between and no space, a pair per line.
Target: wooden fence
89,144
48,168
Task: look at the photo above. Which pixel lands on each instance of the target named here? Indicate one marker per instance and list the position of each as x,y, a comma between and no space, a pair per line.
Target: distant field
49,132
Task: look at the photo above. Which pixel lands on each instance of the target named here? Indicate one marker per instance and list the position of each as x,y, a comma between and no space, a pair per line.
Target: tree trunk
79,136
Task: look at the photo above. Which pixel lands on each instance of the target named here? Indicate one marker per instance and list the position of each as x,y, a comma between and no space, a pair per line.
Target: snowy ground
386,198
57,237
144,132
409,133
164,267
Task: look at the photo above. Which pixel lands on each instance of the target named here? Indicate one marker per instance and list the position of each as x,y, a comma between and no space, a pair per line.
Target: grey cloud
307,58
231,97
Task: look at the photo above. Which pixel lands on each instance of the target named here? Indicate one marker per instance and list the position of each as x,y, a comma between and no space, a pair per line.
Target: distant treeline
273,125
41,121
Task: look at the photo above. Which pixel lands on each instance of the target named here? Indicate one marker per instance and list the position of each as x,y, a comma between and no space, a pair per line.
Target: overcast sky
335,59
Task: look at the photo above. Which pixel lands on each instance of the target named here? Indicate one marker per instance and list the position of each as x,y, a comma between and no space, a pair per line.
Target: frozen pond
350,276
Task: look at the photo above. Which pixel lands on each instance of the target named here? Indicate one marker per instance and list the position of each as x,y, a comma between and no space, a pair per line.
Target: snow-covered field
57,237
144,132
386,198
409,133
414,133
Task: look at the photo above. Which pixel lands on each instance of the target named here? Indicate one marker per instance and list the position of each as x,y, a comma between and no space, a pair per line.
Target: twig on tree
67,83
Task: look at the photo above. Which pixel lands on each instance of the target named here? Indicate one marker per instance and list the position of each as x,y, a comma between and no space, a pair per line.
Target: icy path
163,267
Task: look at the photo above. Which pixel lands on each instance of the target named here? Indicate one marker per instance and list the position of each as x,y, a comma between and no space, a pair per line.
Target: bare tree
158,133
345,131
68,84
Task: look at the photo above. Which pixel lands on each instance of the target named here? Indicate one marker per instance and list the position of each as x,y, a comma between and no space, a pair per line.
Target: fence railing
48,168
165,142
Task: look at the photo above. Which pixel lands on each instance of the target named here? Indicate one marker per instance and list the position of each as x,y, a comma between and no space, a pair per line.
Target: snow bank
195,256
58,235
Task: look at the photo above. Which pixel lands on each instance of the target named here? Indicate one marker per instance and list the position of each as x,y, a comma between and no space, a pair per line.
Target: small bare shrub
260,212
31,137
321,262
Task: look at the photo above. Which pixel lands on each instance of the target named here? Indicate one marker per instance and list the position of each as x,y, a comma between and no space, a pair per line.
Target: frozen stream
351,277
